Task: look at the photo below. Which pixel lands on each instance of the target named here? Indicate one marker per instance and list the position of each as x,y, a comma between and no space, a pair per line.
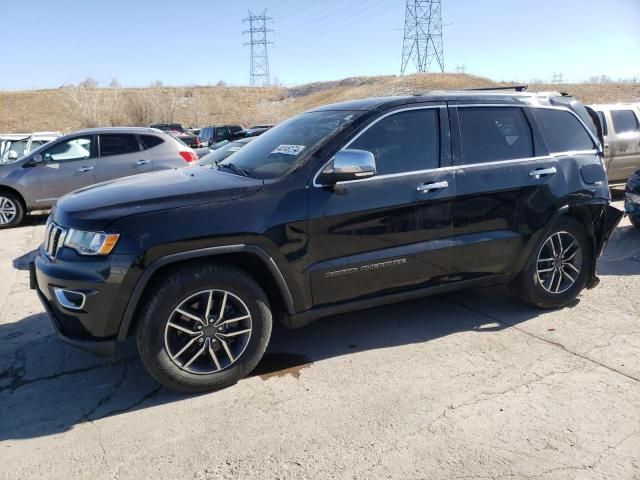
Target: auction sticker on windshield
289,149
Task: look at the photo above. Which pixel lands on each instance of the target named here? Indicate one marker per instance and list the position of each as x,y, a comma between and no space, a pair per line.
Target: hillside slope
62,110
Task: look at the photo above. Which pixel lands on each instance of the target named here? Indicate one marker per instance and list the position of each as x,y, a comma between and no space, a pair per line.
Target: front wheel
11,210
561,267
204,328
635,220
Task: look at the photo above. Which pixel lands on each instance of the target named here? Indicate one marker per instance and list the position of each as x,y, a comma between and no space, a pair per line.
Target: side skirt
304,318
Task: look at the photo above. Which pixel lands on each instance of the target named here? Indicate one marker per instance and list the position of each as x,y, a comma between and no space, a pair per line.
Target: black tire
9,198
635,220
170,293
527,284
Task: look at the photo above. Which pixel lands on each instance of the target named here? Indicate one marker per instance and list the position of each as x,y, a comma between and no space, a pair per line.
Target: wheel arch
8,189
252,259
590,215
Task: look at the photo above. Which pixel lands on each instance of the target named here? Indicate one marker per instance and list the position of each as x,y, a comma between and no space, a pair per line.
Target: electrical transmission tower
259,74
422,35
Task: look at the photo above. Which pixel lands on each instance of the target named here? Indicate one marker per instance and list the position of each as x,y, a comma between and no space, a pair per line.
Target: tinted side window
562,131
236,128
222,133
150,141
624,121
118,144
403,142
491,134
603,122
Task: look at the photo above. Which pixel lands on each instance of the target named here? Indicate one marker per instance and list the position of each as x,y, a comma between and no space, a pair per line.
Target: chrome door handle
427,187
543,171
85,169
143,162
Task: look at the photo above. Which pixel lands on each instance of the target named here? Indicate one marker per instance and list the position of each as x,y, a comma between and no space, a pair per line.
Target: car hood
96,206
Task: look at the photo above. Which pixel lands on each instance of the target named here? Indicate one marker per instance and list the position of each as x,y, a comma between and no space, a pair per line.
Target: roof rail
517,88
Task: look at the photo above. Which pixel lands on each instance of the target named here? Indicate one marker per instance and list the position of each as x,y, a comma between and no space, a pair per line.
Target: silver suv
80,159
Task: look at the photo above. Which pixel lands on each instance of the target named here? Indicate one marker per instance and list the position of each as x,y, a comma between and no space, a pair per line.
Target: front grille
53,239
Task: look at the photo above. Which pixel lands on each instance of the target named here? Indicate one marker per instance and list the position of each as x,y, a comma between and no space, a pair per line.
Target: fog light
70,299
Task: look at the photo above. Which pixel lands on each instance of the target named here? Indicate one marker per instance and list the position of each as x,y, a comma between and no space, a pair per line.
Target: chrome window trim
388,114
551,156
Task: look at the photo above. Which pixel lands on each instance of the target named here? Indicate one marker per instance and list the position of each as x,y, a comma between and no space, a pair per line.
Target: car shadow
47,386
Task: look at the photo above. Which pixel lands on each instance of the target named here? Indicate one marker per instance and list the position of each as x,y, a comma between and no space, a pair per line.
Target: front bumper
94,324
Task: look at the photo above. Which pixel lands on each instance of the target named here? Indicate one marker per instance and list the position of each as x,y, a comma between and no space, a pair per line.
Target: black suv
218,133
343,207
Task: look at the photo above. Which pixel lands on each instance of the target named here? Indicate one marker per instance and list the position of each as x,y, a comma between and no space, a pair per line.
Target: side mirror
349,165
34,161
13,155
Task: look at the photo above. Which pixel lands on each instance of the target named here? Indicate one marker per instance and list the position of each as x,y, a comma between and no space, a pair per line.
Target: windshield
220,154
274,152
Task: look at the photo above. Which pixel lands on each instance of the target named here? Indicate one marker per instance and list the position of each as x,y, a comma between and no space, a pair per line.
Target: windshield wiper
232,167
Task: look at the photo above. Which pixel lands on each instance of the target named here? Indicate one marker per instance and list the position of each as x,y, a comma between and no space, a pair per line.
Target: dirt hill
70,108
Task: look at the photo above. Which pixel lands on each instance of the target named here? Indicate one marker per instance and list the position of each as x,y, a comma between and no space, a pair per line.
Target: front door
120,155
67,166
389,232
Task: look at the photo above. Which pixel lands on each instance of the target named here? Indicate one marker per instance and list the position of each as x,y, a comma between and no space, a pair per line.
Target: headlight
633,198
91,243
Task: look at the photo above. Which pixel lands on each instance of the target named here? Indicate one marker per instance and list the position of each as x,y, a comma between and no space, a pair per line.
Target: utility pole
557,78
422,35
259,71
461,69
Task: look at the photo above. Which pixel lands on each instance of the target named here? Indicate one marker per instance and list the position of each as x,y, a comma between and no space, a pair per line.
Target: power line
422,41
349,21
259,71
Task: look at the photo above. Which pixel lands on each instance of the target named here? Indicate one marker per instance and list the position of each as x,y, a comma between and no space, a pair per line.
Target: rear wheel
635,220
11,210
204,328
561,267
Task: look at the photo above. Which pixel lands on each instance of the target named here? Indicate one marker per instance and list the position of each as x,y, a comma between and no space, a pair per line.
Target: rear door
390,232
67,166
624,143
505,183
121,155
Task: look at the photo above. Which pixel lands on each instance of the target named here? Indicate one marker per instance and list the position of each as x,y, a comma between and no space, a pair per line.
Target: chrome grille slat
54,239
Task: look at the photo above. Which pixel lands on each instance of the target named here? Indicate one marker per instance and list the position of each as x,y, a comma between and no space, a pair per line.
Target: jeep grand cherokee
343,207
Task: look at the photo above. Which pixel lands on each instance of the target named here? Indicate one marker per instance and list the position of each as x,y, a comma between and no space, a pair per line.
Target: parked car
632,199
218,133
621,130
190,139
37,180
14,146
344,207
249,132
214,157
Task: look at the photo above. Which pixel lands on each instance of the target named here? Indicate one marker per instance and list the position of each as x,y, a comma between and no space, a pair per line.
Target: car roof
613,106
486,96
140,130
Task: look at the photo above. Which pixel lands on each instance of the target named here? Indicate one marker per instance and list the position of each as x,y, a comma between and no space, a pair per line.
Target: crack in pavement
18,381
538,337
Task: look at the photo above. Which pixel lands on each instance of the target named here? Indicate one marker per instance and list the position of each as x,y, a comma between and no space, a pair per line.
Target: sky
48,43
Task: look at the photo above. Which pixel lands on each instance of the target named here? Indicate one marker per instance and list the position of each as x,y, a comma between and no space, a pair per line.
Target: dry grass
51,109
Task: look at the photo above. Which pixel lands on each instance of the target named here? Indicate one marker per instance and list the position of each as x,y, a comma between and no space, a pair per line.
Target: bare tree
165,102
85,101
139,109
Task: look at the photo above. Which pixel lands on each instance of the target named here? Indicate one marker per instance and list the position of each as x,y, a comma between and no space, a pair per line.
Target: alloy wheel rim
8,210
208,332
559,263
